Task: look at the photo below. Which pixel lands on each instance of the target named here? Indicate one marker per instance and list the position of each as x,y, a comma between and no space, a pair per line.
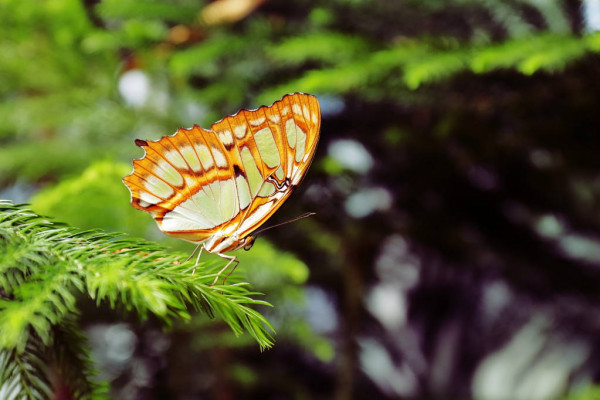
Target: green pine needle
45,266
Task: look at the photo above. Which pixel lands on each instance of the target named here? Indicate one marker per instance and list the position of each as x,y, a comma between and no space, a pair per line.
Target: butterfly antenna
308,214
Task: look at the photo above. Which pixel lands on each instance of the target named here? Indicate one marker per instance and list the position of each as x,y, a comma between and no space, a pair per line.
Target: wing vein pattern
229,179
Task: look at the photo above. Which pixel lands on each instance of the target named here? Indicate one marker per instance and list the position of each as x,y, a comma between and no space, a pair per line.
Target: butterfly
216,186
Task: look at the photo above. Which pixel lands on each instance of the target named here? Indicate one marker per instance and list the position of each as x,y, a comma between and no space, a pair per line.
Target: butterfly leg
193,252
231,260
197,258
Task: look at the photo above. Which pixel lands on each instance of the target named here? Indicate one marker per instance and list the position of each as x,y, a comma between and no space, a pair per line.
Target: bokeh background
455,253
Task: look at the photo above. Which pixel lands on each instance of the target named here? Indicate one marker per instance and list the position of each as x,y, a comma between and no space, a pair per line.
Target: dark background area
455,253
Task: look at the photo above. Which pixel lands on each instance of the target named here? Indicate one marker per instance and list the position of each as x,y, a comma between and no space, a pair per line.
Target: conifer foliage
480,193
45,267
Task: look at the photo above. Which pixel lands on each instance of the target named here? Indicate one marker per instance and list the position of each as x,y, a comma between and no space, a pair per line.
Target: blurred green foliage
96,198
65,96
68,126
588,393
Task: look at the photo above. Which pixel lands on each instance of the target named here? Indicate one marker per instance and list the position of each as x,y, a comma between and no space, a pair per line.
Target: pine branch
420,62
44,266
23,373
128,273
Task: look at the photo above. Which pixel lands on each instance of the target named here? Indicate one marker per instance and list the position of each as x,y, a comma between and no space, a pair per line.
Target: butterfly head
248,242
224,244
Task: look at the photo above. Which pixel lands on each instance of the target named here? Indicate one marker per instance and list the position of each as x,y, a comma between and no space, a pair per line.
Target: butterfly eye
249,243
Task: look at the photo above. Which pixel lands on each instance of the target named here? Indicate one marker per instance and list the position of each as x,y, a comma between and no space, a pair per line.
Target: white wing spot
297,109
191,158
267,189
291,130
314,118
228,206
205,156
240,131
279,173
158,187
185,217
219,157
267,147
258,121
243,191
296,179
207,205
226,137
306,112
254,177
189,181
285,110
258,213
168,173
300,144
290,164
148,198
174,158
275,118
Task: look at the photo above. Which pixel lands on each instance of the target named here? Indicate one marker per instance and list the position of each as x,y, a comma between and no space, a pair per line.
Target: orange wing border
164,177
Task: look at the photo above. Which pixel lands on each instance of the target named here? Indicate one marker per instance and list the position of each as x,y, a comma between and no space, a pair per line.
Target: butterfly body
216,186
224,244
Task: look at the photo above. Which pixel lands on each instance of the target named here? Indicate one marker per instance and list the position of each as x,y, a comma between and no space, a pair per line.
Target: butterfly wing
198,183
274,146
181,182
